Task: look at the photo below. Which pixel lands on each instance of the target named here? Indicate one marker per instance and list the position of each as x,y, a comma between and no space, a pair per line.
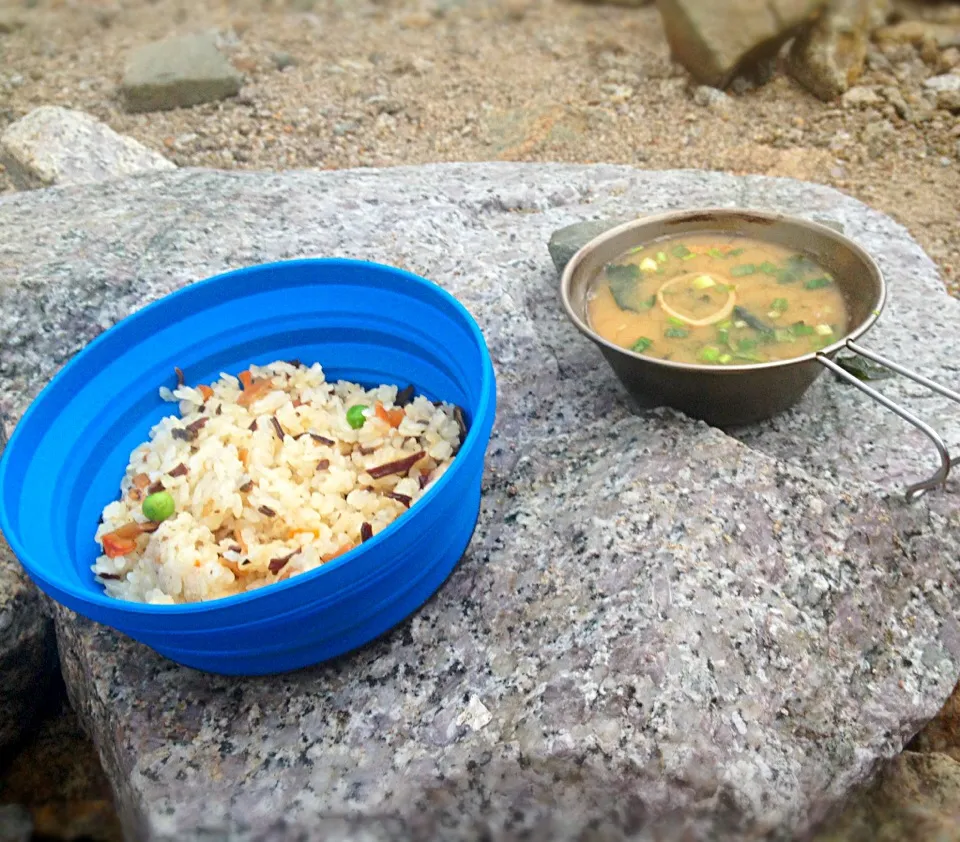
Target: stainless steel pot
733,395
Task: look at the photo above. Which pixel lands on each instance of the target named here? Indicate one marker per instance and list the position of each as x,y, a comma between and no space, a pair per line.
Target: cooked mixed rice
268,479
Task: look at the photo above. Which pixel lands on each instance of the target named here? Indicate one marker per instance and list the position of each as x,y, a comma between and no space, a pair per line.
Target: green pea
355,417
158,507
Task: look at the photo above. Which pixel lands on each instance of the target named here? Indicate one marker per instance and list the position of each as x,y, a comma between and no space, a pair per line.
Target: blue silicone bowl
361,321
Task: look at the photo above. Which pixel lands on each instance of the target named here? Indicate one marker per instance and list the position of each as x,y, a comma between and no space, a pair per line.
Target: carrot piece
254,391
392,416
114,545
246,378
293,533
206,391
243,454
344,549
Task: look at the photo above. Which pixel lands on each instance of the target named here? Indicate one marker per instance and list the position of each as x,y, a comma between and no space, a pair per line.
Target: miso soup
717,299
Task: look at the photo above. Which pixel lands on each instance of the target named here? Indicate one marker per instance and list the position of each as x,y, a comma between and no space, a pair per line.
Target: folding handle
938,478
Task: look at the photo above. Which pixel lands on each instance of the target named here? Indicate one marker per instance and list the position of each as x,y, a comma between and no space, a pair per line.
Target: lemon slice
725,310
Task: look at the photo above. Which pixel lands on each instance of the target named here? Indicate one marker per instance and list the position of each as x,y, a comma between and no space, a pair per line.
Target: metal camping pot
733,395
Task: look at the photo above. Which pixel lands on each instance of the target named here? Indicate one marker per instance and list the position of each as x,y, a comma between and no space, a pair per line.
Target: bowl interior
363,322
857,275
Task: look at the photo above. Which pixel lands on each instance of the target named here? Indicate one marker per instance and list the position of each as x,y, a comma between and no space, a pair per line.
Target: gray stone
829,56
862,97
15,823
283,60
27,650
567,241
945,82
658,628
177,73
712,98
58,146
716,41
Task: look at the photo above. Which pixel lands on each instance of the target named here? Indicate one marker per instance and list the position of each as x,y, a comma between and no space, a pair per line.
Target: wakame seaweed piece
801,329
735,252
801,263
785,276
676,333
768,268
758,325
641,345
817,283
624,280
863,369
680,251
743,269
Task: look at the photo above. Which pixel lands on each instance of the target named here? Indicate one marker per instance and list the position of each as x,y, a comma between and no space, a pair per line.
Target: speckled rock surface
27,650
58,146
657,628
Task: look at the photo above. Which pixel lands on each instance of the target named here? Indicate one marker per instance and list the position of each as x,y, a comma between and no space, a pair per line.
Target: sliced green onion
735,253
661,257
824,330
636,249
817,283
715,252
746,344
780,305
641,345
648,264
783,334
724,358
743,269
703,282
680,251
801,329
723,335
676,322
709,354
676,333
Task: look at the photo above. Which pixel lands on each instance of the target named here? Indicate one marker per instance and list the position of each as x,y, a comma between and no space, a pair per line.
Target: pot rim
570,270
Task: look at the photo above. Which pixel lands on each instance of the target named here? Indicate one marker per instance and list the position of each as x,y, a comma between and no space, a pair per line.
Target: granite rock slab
659,628
59,146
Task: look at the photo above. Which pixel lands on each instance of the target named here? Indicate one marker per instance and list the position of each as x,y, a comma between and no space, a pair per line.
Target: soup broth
717,299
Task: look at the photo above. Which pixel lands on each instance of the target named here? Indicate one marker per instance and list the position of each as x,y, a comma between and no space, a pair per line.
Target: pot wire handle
940,477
